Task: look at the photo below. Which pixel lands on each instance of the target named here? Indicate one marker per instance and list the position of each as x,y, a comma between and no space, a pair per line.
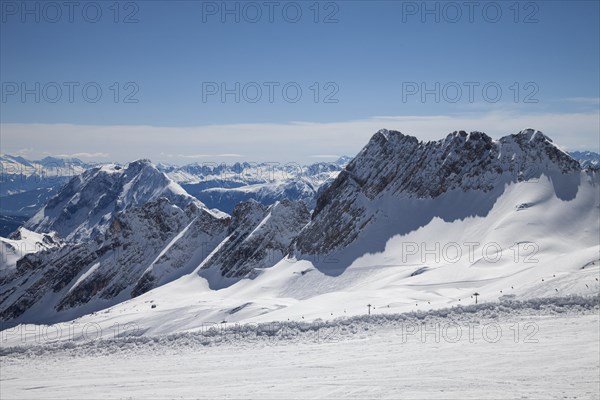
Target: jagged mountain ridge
86,206
28,185
395,165
20,174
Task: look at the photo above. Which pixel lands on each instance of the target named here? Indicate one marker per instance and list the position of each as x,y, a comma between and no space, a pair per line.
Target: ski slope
527,350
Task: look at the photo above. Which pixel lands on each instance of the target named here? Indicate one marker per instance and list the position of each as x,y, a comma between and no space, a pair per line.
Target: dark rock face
258,238
393,165
245,216
143,247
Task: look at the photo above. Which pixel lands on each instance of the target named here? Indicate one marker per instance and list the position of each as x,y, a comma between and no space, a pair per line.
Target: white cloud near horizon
334,156
223,155
83,155
282,142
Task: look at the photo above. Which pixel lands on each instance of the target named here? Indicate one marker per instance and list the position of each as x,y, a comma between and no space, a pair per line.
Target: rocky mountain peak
85,206
395,166
247,213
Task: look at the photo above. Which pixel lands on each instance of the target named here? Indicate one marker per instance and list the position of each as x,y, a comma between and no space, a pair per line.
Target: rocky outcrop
258,238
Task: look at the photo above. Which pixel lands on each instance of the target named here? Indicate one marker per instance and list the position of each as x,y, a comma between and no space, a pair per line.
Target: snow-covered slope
534,349
86,206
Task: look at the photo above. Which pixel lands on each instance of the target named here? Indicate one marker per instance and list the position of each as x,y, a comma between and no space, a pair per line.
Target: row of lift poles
369,305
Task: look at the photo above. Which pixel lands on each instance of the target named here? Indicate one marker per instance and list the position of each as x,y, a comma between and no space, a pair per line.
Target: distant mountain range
224,186
586,158
28,185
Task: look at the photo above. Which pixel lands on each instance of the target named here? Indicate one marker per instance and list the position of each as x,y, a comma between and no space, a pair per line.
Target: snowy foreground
514,349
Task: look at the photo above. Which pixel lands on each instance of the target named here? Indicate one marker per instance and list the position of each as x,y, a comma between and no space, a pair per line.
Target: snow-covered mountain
143,247
133,216
128,229
28,185
85,207
586,158
389,188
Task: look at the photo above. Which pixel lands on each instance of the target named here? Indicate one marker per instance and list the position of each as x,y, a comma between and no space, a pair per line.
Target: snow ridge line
282,332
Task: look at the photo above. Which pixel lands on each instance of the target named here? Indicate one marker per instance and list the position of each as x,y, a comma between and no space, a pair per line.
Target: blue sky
365,62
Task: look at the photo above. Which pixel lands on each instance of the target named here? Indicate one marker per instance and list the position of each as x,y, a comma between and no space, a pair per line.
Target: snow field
373,357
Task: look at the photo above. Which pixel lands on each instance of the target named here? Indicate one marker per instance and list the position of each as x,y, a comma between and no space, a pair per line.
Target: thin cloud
325,156
83,155
287,142
24,152
234,155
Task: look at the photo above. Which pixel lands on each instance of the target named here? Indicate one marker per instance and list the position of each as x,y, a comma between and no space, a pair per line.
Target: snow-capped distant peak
87,204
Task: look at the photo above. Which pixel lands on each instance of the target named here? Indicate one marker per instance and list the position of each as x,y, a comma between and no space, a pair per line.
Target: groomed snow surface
540,348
